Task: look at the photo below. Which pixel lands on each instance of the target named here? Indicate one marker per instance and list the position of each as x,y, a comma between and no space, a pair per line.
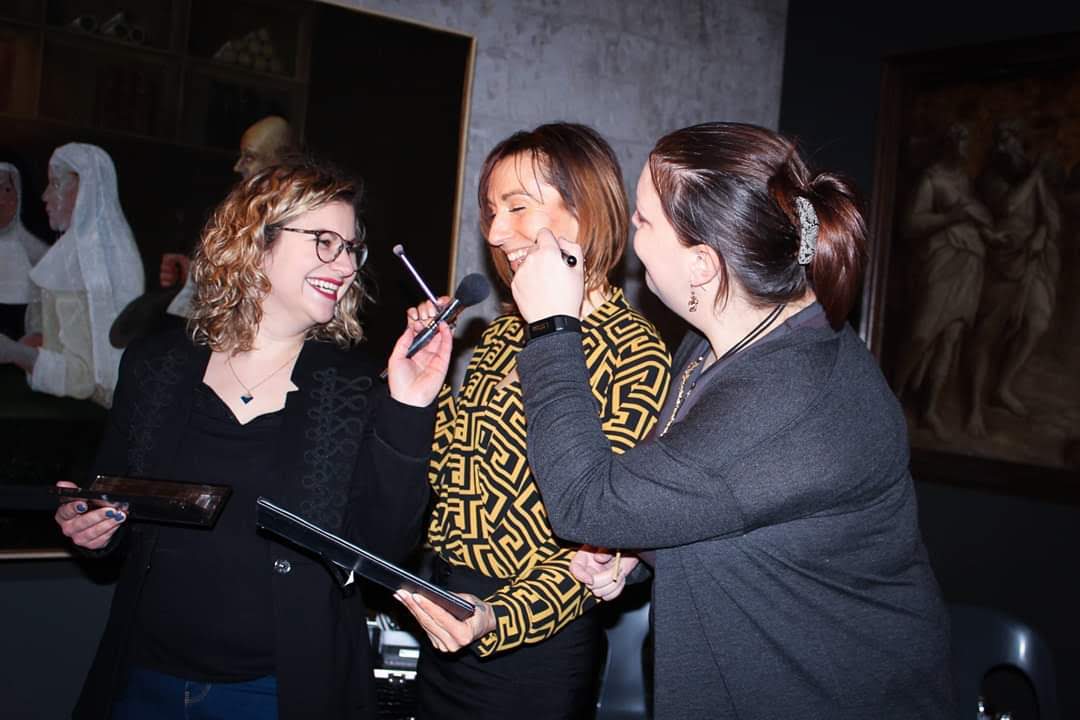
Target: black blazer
355,461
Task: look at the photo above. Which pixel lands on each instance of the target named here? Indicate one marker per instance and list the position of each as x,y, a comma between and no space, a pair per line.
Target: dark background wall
1008,552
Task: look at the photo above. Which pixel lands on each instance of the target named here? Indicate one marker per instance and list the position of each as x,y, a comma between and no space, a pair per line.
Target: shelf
261,36
27,11
243,76
150,24
220,103
108,88
19,50
157,68
94,42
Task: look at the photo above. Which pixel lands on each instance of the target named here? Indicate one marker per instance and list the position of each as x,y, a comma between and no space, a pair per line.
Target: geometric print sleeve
444,433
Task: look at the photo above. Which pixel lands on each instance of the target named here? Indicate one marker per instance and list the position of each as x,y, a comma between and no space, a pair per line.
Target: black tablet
352,558
160,501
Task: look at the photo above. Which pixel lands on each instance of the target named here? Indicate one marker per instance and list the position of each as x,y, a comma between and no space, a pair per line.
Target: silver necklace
249,392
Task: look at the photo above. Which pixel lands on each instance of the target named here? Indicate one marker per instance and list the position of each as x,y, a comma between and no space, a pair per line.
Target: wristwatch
553,324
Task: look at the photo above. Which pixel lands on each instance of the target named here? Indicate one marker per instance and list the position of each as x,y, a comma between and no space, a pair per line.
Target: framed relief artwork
971,302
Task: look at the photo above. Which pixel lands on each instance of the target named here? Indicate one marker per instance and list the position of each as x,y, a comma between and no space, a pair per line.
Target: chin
319,315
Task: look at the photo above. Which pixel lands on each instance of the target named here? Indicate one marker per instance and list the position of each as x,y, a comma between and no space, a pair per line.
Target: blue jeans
156,695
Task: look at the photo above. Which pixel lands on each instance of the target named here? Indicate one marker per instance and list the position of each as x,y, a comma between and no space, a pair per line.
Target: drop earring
692,305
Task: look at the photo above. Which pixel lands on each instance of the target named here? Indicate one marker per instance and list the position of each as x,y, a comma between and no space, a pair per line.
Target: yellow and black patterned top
488,514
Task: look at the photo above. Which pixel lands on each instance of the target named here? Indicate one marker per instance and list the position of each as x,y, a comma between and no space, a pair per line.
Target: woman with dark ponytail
790,576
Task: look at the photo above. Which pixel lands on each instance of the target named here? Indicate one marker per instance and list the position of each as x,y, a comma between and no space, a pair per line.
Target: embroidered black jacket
354,461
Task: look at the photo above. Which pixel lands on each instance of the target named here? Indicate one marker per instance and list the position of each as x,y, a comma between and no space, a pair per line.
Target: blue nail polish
110,514
81,507
118,517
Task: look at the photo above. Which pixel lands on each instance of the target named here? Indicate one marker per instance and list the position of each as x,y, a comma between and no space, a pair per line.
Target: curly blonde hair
228,267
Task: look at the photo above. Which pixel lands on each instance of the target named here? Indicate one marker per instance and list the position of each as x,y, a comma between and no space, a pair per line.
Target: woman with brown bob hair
268,395
790,575
532,650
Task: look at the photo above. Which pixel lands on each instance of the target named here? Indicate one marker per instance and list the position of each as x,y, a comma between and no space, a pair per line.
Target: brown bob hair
577,162
733,186
228,267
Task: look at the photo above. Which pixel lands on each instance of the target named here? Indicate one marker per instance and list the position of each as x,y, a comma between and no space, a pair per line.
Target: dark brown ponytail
836,271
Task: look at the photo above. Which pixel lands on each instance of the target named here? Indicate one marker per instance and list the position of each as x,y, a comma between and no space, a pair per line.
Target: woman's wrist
550,325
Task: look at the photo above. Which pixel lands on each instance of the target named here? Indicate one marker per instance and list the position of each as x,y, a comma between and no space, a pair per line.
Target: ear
705,265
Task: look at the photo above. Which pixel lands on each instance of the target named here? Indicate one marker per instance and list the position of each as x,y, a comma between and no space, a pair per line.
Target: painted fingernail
81,507
124,506
109,514
119,517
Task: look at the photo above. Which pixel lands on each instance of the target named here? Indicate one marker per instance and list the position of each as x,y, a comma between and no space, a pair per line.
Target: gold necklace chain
683,392
251,390
746,340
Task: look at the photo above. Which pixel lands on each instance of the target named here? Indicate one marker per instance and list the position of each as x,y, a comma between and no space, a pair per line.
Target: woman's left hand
602,572
447,633
544,285
417,380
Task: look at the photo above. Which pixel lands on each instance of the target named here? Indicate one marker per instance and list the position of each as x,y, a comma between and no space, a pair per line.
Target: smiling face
304,290
520,203
59,196
9,199
665,257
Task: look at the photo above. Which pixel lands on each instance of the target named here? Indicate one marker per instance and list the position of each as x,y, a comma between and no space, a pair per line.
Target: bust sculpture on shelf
263,144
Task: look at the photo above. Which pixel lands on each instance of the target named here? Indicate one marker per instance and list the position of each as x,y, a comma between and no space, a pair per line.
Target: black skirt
554,679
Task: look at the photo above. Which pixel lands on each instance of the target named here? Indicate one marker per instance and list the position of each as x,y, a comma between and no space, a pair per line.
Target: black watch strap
553,324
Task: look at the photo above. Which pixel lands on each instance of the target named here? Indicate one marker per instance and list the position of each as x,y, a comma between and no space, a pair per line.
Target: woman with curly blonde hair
267,394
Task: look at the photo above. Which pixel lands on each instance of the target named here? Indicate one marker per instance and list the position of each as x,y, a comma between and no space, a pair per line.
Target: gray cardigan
791,579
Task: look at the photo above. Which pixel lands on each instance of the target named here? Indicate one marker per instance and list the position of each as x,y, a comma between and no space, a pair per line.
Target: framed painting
173,90
971,303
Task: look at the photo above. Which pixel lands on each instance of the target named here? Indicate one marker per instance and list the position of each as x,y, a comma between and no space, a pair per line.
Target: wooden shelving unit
190,72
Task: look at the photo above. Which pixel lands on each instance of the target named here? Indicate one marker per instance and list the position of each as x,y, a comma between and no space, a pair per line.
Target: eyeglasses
328,245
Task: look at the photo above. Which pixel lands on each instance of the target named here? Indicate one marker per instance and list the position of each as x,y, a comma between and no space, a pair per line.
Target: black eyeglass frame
360,252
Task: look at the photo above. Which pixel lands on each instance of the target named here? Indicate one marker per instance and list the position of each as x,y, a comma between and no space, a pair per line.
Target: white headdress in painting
19,250
97,253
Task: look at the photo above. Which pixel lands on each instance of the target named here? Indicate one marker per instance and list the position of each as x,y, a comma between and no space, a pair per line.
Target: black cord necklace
684,391
752,335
